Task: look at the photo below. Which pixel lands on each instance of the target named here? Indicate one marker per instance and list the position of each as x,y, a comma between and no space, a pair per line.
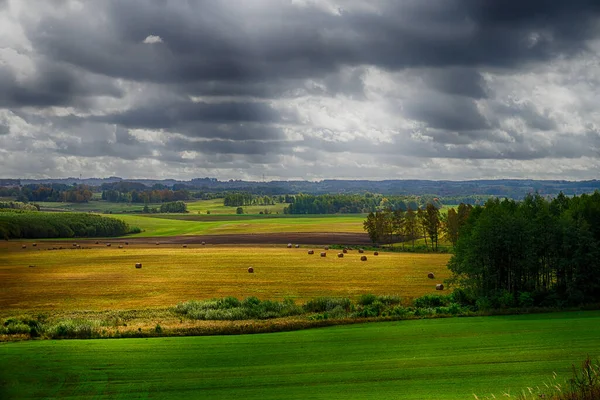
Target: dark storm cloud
443,112
219,146
457,81
52,85
170,115
205,41
258,71
527,112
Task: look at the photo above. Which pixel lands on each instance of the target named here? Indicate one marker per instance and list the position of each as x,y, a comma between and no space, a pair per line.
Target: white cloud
152,39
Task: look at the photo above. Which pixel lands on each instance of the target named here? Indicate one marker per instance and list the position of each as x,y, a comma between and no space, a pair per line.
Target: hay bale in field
32,266
345,251
361,251
311,252
363,258
323,254
430,275
297,246
126,243
375,253
185,246
120,246
74,244
289,246
340,255
203,243
23,247
97,242
108,244
250,270
439,286
138,265
34,244
326,248
157,243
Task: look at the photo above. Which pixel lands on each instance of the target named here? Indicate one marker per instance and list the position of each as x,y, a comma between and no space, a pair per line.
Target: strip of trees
238,199
390,226
355,203
19,224
534,252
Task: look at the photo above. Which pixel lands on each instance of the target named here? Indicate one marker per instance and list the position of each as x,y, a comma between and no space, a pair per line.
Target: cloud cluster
443,89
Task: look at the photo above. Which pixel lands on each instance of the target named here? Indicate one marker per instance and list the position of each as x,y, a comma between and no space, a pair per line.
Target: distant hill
512,188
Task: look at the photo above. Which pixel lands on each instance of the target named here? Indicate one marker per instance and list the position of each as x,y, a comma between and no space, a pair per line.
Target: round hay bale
138,265
108,244
34,244
375,253
297,246
340,255
345,251
126,243
326,248
97,242
430,275
203,243
185,246
157,243
23,247
311,252
323,254
32,266
289,246
363,258
120,246
250,270
361,251
74,244
439,286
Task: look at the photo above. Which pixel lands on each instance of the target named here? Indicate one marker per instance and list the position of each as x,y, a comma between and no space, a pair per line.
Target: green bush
431,300
321,304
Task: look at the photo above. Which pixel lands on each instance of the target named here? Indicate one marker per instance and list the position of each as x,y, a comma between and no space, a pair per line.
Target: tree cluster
173,207
239,199
147,196
427,223
534,252
34,225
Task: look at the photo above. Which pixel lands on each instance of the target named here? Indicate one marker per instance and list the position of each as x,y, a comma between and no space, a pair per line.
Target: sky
300,89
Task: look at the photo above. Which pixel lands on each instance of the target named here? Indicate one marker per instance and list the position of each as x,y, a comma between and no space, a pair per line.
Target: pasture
161,225
97,277
453,358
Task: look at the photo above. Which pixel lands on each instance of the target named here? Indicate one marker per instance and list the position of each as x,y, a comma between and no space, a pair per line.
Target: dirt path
265,238
316,238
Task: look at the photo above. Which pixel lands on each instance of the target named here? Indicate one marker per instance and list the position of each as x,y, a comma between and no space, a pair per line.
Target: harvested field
97,277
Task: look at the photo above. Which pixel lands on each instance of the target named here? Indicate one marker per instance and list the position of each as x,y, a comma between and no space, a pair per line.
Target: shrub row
34,225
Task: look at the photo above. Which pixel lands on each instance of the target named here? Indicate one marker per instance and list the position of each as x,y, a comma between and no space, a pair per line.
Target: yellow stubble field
97,277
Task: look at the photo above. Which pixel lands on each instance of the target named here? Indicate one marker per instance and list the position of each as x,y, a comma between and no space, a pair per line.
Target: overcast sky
300,89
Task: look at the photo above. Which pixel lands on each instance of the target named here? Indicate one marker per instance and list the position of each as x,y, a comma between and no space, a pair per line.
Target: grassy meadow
103,278
160,225
454,358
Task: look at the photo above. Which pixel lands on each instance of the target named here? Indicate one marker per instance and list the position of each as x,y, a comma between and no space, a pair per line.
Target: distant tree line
533,252
238,199
147,196
353,204
55,192
37,225
389,226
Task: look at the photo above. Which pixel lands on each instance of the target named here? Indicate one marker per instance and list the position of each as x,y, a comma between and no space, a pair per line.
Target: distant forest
511,188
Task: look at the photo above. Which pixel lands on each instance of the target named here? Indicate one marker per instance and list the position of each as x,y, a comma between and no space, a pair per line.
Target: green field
426,359
175,225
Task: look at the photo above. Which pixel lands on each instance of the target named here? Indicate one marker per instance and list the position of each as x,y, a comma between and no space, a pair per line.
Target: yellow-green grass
99,206
215,206
163,225
102,278
452,358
